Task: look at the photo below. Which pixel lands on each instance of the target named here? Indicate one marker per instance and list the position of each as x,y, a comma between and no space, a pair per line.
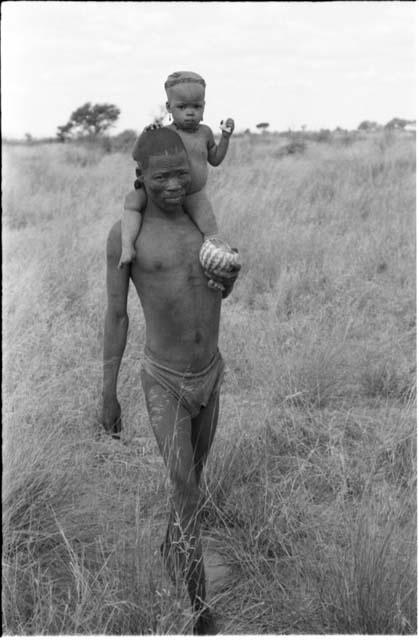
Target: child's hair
154,143
179,77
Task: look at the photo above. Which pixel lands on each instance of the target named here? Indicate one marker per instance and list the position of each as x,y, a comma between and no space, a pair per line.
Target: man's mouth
173,197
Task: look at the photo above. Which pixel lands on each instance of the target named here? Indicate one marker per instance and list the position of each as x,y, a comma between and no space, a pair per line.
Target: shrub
292,148
124,141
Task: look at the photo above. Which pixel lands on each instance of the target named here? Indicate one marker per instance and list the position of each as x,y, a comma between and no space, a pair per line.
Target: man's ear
139,182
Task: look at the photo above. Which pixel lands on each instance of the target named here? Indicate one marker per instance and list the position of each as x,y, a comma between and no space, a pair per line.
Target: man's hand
111,417
227,127
223,279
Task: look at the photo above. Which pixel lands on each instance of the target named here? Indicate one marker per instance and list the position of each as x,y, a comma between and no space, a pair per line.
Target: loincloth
191,390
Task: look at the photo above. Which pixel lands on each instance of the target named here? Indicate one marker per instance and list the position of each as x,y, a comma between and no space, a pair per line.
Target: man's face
186,103
166,179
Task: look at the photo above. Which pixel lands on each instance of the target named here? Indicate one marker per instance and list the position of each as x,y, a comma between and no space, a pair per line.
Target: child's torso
196,145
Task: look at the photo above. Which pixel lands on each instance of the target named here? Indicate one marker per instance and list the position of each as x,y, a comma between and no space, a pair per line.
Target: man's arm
116,329
216,154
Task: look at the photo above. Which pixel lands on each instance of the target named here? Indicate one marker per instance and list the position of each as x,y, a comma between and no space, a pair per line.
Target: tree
397,123
89,120
64,132
263,126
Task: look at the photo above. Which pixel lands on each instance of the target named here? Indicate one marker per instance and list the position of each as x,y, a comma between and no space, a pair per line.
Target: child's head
185,99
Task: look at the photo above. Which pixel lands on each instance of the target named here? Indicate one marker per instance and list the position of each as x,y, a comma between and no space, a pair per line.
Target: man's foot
127,256
205,624
168,562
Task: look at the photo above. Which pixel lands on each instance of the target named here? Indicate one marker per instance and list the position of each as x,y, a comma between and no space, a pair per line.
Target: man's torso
182,313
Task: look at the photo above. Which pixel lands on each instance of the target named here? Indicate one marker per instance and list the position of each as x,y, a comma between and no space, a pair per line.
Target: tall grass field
309,494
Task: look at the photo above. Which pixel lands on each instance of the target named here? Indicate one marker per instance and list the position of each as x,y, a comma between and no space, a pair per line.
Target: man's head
164,164
185,98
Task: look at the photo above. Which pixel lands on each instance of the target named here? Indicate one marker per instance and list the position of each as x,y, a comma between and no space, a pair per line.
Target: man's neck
154,211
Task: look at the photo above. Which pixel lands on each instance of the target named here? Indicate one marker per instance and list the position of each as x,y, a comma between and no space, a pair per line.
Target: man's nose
173,184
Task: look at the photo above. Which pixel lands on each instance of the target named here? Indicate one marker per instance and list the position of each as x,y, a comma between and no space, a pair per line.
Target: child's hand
151,127
227,127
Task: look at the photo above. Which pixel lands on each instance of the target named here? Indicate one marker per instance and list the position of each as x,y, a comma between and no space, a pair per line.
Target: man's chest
162,249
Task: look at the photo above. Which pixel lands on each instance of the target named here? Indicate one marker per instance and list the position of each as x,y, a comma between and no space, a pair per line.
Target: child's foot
127,256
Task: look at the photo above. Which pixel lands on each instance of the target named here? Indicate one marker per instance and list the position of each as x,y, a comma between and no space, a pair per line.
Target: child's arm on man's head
134,203
216,154
199,209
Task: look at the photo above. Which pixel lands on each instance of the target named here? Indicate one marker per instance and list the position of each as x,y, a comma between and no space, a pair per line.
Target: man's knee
185,496
185,489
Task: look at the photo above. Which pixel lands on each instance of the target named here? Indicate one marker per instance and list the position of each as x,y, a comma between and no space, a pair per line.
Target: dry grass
310,490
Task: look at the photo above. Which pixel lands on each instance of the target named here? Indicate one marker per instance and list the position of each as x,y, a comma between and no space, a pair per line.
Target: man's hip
194,390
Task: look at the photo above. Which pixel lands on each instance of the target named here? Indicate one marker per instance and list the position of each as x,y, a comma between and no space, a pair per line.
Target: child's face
186,103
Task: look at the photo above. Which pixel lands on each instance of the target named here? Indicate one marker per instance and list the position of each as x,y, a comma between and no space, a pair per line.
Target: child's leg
199,209
130,224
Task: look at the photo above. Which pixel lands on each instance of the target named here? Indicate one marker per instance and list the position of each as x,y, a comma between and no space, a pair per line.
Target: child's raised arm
217,153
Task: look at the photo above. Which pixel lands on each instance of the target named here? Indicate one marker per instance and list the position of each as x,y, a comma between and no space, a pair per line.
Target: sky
321,65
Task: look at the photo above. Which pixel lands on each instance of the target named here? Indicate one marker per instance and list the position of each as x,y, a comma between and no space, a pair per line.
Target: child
185,102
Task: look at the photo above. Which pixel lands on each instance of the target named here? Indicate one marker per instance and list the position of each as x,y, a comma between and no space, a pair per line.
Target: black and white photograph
209,318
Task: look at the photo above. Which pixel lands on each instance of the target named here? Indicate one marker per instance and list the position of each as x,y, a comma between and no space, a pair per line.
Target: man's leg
203,432
182,548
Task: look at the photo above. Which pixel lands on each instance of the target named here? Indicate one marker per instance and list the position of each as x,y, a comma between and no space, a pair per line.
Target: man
182,369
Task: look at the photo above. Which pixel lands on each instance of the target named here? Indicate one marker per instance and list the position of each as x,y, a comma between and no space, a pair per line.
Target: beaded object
217,257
